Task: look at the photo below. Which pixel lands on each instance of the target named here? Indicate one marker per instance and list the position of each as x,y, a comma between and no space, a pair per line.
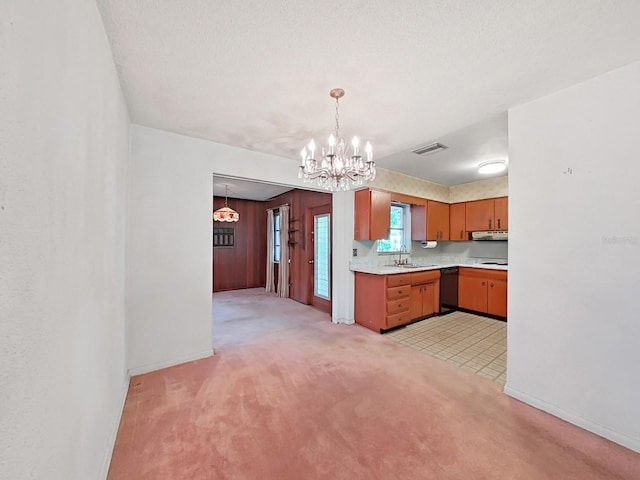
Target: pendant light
226,213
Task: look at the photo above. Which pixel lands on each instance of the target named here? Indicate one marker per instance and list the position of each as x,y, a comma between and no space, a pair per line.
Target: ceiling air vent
429,149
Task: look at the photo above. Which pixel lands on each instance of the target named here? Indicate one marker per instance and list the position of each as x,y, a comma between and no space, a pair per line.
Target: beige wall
492,187
397,182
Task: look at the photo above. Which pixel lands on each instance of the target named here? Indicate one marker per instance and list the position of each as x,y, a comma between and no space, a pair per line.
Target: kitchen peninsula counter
393,269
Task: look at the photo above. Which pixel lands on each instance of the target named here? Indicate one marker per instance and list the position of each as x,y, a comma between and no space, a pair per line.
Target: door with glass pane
319,257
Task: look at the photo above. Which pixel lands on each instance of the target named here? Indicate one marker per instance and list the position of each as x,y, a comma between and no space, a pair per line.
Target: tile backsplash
443,253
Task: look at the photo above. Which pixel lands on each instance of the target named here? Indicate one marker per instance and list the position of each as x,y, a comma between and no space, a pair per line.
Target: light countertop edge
393,269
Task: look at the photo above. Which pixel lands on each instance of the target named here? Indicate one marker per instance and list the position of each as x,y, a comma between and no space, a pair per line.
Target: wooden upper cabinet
489,214
501,213
437,221
457,228
480,215
430,221
372,214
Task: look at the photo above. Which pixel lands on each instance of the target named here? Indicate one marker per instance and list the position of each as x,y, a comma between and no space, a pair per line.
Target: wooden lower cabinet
425,294
382,301
483,290
387,301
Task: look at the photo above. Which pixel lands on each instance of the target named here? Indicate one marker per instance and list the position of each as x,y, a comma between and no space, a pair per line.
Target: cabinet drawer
397,319
398,306
402,291
398,279
424,277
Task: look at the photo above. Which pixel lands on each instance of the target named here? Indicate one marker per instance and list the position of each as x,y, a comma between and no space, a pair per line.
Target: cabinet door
472,293
437,221
415,310
430,296
497,297
480,215
372,215
501,213
456,222
380,214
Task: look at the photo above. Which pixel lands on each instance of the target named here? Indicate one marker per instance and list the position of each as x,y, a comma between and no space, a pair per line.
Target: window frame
406,230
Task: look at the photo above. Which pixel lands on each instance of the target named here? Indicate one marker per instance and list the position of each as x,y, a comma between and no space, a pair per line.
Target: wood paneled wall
301,272
244,264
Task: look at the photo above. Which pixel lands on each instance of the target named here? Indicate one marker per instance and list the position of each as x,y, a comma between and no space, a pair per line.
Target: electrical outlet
355,252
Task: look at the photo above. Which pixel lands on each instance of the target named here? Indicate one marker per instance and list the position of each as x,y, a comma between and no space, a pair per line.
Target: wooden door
502,213
319,256
437,221
480,215
497,297
472,293
456,222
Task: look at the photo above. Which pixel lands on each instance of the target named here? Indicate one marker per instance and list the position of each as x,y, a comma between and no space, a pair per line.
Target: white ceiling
256,74
245,189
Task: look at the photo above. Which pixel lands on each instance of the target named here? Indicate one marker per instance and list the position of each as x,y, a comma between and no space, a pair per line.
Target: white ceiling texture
256,74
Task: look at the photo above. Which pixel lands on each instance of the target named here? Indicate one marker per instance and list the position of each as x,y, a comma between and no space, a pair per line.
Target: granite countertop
391,269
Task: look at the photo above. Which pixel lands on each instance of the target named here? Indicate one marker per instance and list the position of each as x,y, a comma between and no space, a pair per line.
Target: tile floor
470,341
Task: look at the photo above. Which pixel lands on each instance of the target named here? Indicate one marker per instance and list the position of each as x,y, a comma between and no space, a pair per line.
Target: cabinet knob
399,305
491,284
399,291
484,283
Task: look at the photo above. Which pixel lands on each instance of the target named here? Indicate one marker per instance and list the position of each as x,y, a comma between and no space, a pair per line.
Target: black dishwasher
448,289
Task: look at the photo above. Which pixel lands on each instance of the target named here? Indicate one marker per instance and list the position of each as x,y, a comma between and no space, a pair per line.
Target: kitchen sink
416,265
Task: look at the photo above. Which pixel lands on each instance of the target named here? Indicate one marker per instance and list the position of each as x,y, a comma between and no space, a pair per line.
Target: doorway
319,256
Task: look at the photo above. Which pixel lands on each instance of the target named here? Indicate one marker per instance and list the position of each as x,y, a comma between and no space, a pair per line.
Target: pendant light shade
226,213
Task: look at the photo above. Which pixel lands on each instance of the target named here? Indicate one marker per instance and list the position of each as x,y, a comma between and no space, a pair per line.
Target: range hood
490,235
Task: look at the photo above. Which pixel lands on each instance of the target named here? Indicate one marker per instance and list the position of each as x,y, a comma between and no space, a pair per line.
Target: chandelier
336,169
226,213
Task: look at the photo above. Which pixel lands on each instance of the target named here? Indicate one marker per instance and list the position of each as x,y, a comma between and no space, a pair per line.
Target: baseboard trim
152,367
111,443
346,321
601,430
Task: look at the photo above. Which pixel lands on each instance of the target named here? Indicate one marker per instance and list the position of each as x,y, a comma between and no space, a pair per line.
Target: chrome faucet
400,261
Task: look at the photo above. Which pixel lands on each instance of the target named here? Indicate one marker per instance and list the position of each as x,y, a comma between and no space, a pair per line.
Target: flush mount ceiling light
226,213
337,170
492,166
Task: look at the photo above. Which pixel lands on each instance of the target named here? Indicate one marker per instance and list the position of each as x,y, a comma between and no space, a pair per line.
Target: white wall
63,159
169,240
574,251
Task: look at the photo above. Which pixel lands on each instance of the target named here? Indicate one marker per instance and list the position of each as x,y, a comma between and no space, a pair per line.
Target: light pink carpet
289,395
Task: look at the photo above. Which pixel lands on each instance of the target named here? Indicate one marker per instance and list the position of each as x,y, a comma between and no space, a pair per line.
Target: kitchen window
399,234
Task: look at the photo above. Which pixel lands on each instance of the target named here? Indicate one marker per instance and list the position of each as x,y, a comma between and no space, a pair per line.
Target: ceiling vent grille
429,149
